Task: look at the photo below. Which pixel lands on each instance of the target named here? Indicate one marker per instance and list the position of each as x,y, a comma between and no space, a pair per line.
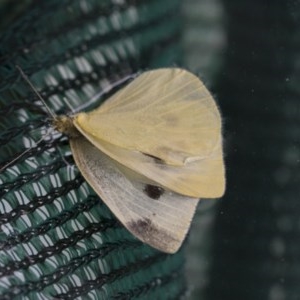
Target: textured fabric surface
256,242
204,41
57,238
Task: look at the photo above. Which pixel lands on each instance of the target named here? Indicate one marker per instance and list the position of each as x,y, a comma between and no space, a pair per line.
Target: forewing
164,125
166,113
156,216
200,178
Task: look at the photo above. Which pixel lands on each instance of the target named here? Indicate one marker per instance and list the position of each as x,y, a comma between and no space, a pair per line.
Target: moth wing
199,179
167,113
162,223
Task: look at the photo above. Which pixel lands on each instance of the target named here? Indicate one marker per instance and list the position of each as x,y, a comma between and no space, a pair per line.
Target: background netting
256,243
58,239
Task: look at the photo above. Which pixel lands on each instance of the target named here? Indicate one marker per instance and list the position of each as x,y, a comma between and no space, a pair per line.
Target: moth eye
153,191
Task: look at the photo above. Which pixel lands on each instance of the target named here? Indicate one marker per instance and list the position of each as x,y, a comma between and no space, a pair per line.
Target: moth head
65,125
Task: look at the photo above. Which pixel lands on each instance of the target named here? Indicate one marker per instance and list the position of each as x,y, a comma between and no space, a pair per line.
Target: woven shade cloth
57,239
256,241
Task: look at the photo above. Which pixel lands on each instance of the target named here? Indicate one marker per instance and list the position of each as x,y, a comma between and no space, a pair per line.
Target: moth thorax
65,125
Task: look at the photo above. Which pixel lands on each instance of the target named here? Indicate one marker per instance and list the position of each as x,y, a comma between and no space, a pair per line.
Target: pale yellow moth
151,151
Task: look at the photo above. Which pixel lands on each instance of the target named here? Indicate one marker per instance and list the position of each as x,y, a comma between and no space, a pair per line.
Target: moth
151,151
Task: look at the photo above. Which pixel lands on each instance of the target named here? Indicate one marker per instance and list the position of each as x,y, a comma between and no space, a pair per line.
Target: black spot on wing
142,225
155,158
153,191
146,230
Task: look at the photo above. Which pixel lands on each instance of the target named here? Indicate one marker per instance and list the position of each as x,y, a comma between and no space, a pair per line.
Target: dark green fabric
204,39
256,242
57,238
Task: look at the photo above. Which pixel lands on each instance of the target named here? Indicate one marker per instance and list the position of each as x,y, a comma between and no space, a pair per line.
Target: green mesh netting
256,253
204,40
57,239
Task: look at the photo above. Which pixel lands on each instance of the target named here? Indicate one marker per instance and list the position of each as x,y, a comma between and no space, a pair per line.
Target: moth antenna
25,151
104,91
66,101
63,158
25,77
